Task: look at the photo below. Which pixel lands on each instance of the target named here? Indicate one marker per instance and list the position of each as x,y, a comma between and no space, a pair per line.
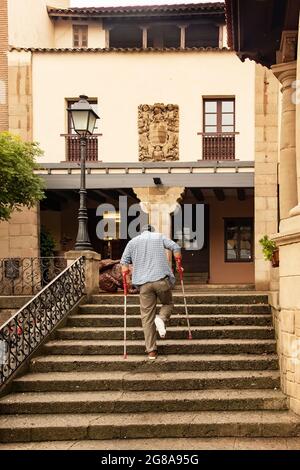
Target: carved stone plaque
158,132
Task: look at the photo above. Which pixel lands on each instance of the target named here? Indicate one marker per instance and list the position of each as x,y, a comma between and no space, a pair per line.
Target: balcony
218,145
73,148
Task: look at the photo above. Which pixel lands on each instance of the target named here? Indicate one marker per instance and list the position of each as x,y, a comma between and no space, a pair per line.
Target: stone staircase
225,382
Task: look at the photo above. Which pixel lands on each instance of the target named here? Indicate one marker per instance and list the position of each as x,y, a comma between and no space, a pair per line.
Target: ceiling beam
57,196
241,194
107,195
50,204
95,197
220,194
124,192
197,193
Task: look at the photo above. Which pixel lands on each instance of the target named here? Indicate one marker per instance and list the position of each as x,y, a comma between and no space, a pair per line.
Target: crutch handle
125,285
179,267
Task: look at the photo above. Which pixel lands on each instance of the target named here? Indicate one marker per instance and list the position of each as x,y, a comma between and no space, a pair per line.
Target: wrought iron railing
24,332
218,145
27,276
73,148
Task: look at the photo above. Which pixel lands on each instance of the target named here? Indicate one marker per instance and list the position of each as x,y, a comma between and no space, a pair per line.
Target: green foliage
47,243
269,246
19,186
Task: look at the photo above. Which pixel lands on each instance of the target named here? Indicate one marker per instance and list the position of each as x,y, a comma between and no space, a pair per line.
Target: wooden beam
57,196
197,193
220,195
96,197
107,195
123,192
241,194
50,204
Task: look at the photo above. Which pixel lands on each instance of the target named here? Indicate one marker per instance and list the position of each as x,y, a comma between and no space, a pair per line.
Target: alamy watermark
295,352
127,222
296,93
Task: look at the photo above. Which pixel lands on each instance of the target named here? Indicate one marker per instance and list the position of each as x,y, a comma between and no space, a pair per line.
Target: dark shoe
152,355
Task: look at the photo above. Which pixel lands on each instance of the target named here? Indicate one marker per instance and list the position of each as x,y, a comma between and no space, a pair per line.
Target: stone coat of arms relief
158,126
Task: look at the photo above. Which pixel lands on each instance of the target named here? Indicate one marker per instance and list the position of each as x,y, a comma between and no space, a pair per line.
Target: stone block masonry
3,66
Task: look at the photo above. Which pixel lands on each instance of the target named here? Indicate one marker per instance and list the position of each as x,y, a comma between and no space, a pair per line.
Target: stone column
159,204
266,162
296,98
286,74
3,66
92,260
182,35
107,36
144,36
221,36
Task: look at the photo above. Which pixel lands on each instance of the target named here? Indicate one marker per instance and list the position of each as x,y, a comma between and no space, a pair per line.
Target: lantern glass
80,120
92,122
83,116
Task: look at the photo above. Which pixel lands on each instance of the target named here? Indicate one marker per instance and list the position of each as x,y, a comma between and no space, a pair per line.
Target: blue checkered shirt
146,253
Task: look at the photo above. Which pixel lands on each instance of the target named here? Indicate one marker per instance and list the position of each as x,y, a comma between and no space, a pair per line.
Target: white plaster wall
122,81
63,33
29,23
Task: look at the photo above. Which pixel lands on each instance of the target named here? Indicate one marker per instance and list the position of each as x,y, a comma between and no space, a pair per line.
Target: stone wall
266,163
3,66
287,313
20,236
287,316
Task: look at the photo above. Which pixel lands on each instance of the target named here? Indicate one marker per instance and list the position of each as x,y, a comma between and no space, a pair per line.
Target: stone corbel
288,47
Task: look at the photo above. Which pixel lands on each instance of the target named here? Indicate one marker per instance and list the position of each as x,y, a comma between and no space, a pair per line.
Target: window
219,115
80,36
238,240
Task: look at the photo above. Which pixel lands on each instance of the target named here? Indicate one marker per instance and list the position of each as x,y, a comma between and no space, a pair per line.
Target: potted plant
270,250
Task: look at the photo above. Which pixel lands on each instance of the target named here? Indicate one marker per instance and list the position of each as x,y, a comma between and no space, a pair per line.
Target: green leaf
19,186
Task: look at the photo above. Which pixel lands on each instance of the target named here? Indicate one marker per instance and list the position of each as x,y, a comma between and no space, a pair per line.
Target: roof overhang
204,174
192,9
255,27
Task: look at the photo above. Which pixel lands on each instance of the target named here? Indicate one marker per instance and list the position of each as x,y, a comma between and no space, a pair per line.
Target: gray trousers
150,293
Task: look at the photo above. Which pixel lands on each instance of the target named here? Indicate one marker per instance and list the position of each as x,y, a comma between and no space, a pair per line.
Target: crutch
180,270
125,287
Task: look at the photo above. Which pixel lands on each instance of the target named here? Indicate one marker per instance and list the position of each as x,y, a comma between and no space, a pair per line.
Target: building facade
182,121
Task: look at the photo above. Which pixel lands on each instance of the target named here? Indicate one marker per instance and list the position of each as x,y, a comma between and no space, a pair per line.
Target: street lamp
83,119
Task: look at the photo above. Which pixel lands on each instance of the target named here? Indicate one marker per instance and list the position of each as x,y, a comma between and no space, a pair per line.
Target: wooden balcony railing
218,145
73,148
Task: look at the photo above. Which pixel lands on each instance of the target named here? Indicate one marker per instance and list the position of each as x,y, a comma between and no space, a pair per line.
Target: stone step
163,443
201,309
238,332
170,363
207,298
145,381
212,346
141,402
145,425
87,320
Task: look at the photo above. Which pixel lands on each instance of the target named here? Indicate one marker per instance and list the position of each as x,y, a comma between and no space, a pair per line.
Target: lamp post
83,119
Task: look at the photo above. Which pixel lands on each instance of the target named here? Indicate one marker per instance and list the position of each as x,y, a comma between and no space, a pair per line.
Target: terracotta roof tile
119,49
127,10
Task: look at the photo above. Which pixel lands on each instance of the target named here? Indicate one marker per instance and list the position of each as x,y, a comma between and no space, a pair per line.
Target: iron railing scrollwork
27,276
24,332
